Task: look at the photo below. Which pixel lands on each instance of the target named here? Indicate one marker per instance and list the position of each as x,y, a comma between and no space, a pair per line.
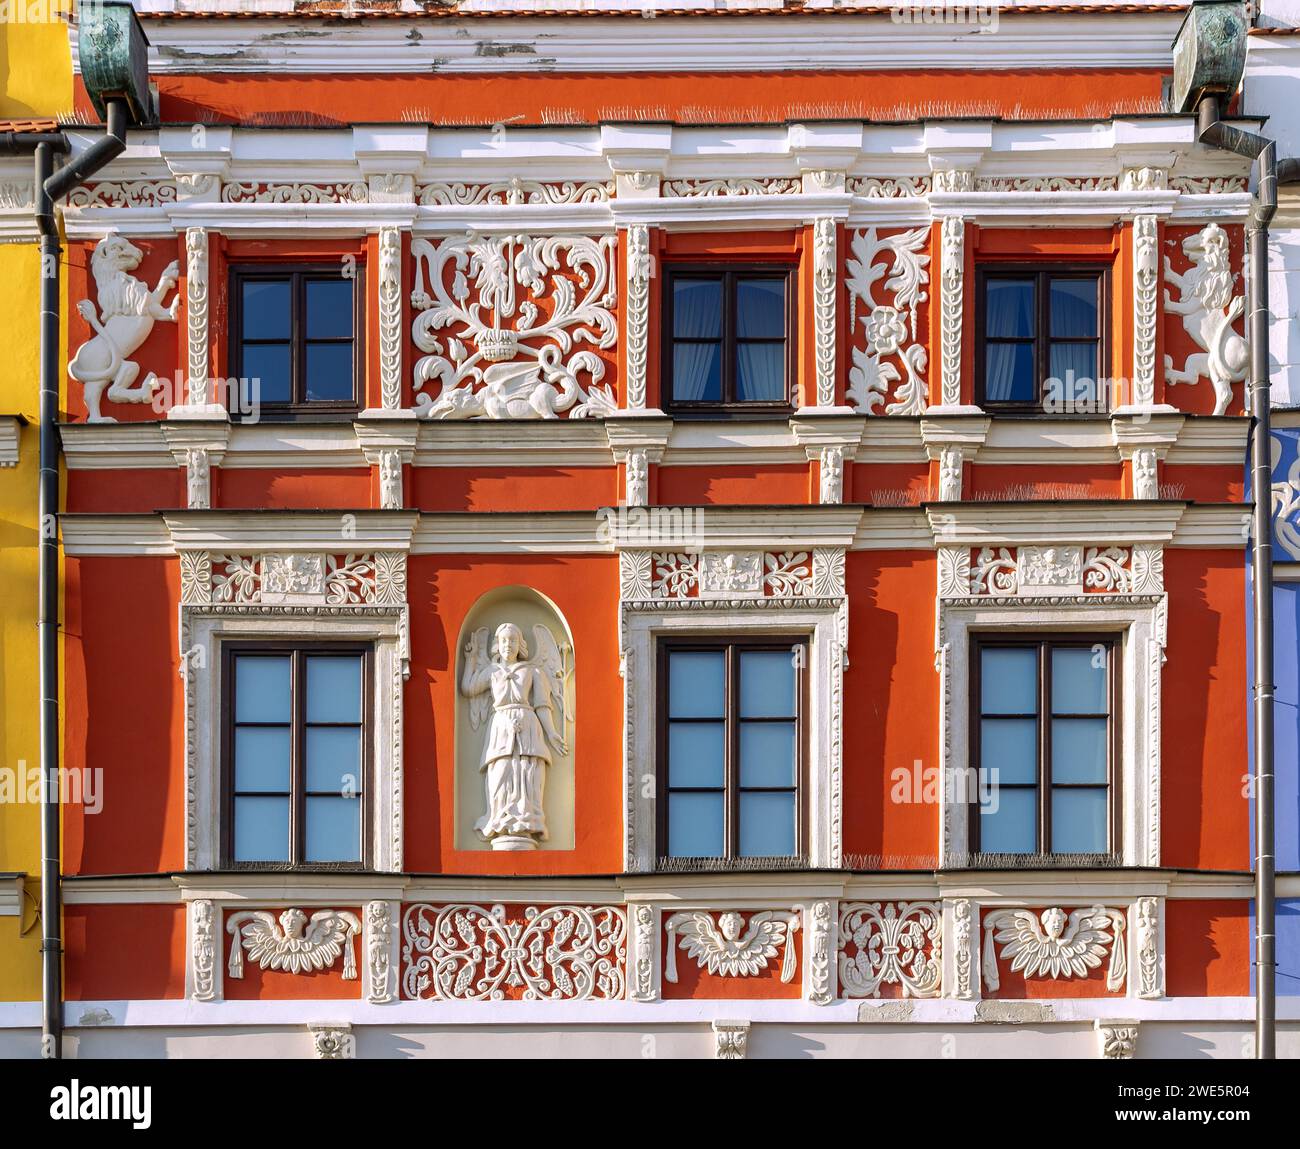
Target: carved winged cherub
522,700
722,949
295,944
1052,945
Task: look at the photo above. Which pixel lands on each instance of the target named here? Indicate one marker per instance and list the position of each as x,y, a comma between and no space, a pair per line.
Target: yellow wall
35,81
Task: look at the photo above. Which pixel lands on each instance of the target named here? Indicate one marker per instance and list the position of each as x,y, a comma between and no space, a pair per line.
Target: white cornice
485,443
1214,441
251,531
893,529
1012,524
85,536
1223,526
815,42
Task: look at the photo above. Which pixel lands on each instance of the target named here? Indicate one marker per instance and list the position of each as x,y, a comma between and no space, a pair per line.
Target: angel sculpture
526,698
1053,946
285,945
722,950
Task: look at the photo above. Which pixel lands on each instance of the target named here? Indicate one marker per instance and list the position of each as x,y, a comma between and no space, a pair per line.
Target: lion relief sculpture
1208,309
126,315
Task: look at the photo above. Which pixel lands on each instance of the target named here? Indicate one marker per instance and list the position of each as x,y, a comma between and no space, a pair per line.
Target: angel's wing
1025,943
547,657
325,934
763,939
1086,939
702,941
263,939
476,663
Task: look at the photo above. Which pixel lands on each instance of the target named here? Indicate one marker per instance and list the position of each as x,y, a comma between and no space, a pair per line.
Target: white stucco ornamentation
390,480
381,975
872,187
891,329
1144,179
831,475
1117,1039
1146,276
730,1040
196,315
476,953
952,276
707,188
819,975
1146,480
1208,308
523,701
645,937
638,479
891,943
125,317
293,943
951,461
512,193
198,478
349,191
390,318
1054,944
719,946
524,304
640,269
825,298
1150,966
124,194
954,180
965,939
331,1042
204,951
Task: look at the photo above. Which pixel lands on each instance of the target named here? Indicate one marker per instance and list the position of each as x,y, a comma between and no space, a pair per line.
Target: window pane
1073,304
262,758
266,308
1010,308
767,755
334,759
1079,750
333,830
1009,680
329,308
262,688
261,829
695,754
760,308
760,372
1009,825
334,688
329,372
697,308
1009,373
1079,680
695,825
1075,365
697,373
267,368
696,681
766,825
1009,746
767,683
1079,821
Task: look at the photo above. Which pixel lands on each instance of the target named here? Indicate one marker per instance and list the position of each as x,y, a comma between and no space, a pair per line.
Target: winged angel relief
522,700
295,943
723,949
1054,945
891,328
515,308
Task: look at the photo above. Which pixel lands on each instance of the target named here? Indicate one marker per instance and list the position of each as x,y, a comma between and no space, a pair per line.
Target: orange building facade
673,536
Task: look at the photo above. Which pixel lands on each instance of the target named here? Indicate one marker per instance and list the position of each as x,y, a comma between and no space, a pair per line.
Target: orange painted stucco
119,952
1207,947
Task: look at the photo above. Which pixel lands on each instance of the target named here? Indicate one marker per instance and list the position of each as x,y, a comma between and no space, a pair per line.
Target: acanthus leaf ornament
1054,944
1146,276
951,305
124,320
513,192
721,948
196,315
891,329
639,272
524,304
466,952
293,943
1208,309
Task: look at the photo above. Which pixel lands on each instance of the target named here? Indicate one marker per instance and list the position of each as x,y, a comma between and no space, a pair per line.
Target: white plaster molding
390,318
893,943
1117,1038
730,1039
293,941
952,274
640,270
831,475
1147,938
821,945
332,1041
825,272
1056,944
731,945
379,980
643,952
203,969
1146,310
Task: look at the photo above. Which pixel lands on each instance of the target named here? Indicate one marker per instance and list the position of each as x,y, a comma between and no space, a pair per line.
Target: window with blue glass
296,338
727,339
295,755
1041,343
731,748
1043,743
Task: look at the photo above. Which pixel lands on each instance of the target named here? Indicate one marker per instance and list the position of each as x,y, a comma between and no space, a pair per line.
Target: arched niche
478,700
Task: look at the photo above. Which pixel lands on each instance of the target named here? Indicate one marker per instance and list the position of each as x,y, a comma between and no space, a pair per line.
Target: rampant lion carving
127,312
1209,310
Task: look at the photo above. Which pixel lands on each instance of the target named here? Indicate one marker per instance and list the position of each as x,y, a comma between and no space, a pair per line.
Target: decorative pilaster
643,954
198,479
381,952
1145,286
952,274
831,475
1147,930
639,269
390,318
825,296
198,403
819,953
961,957
204,951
